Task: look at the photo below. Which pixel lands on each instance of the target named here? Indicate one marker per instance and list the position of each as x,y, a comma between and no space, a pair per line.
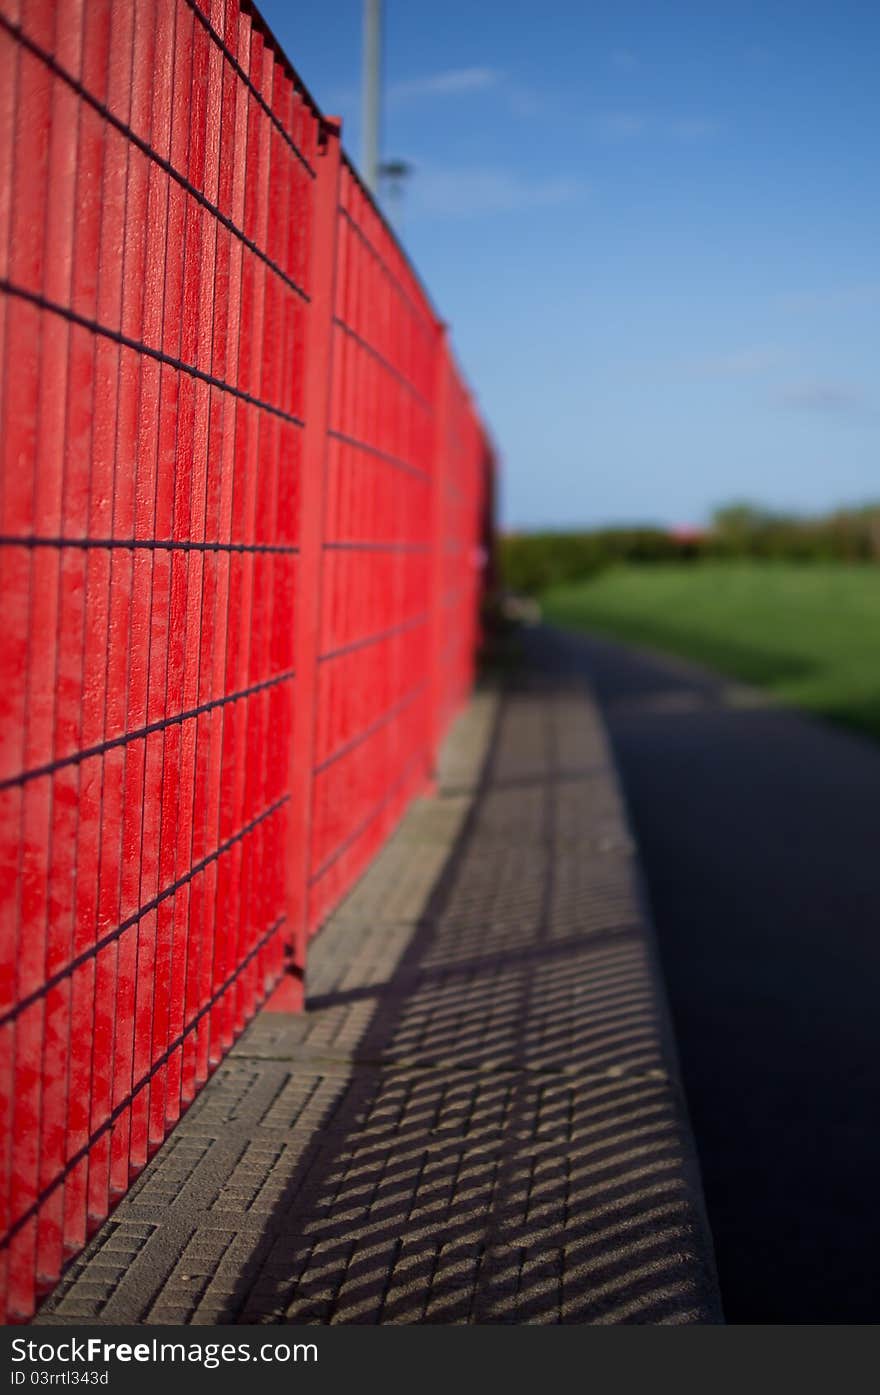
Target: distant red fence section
246,508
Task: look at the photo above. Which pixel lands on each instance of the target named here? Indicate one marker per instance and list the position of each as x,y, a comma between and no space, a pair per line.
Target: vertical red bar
25,809
173,506
51,605
138,384
231,361
152,581
10,797
108,67
307,607
195,348
82,646
438,629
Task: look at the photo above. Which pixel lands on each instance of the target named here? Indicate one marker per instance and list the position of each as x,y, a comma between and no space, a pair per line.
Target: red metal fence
244,497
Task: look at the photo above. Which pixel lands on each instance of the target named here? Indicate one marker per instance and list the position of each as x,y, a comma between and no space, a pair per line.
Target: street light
372,94
395,173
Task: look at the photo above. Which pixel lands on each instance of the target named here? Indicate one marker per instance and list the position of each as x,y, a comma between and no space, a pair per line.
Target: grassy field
809,633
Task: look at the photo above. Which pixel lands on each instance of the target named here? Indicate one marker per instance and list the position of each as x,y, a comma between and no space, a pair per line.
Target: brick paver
478,1119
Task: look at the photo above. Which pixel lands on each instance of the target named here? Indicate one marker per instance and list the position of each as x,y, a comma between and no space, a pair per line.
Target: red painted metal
245,506
312,490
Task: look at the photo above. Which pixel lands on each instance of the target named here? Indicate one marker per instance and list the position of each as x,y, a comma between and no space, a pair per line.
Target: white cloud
624,60
521,99
475,192
451,83
621,124
769,374
821,396
754,360
689,128
629,125
862,296
524,101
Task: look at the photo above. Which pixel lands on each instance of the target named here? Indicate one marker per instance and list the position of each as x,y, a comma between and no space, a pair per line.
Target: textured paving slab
478,1119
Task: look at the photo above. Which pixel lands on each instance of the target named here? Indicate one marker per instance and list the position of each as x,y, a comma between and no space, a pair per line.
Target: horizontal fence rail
246,514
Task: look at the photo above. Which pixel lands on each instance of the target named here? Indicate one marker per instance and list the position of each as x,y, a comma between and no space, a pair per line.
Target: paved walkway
759,833
478,1119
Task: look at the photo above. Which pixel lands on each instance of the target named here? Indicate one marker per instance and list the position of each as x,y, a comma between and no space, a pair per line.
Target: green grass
808,633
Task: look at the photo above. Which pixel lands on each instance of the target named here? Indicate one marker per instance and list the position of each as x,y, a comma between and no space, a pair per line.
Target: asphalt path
759,831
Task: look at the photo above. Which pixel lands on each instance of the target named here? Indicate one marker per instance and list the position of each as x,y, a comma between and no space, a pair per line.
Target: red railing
244,508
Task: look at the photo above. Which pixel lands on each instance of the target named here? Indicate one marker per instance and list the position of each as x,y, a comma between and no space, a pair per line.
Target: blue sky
654,229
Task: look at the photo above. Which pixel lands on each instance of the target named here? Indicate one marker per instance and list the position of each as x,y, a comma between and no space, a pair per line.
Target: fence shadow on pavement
506,1146
477,1119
